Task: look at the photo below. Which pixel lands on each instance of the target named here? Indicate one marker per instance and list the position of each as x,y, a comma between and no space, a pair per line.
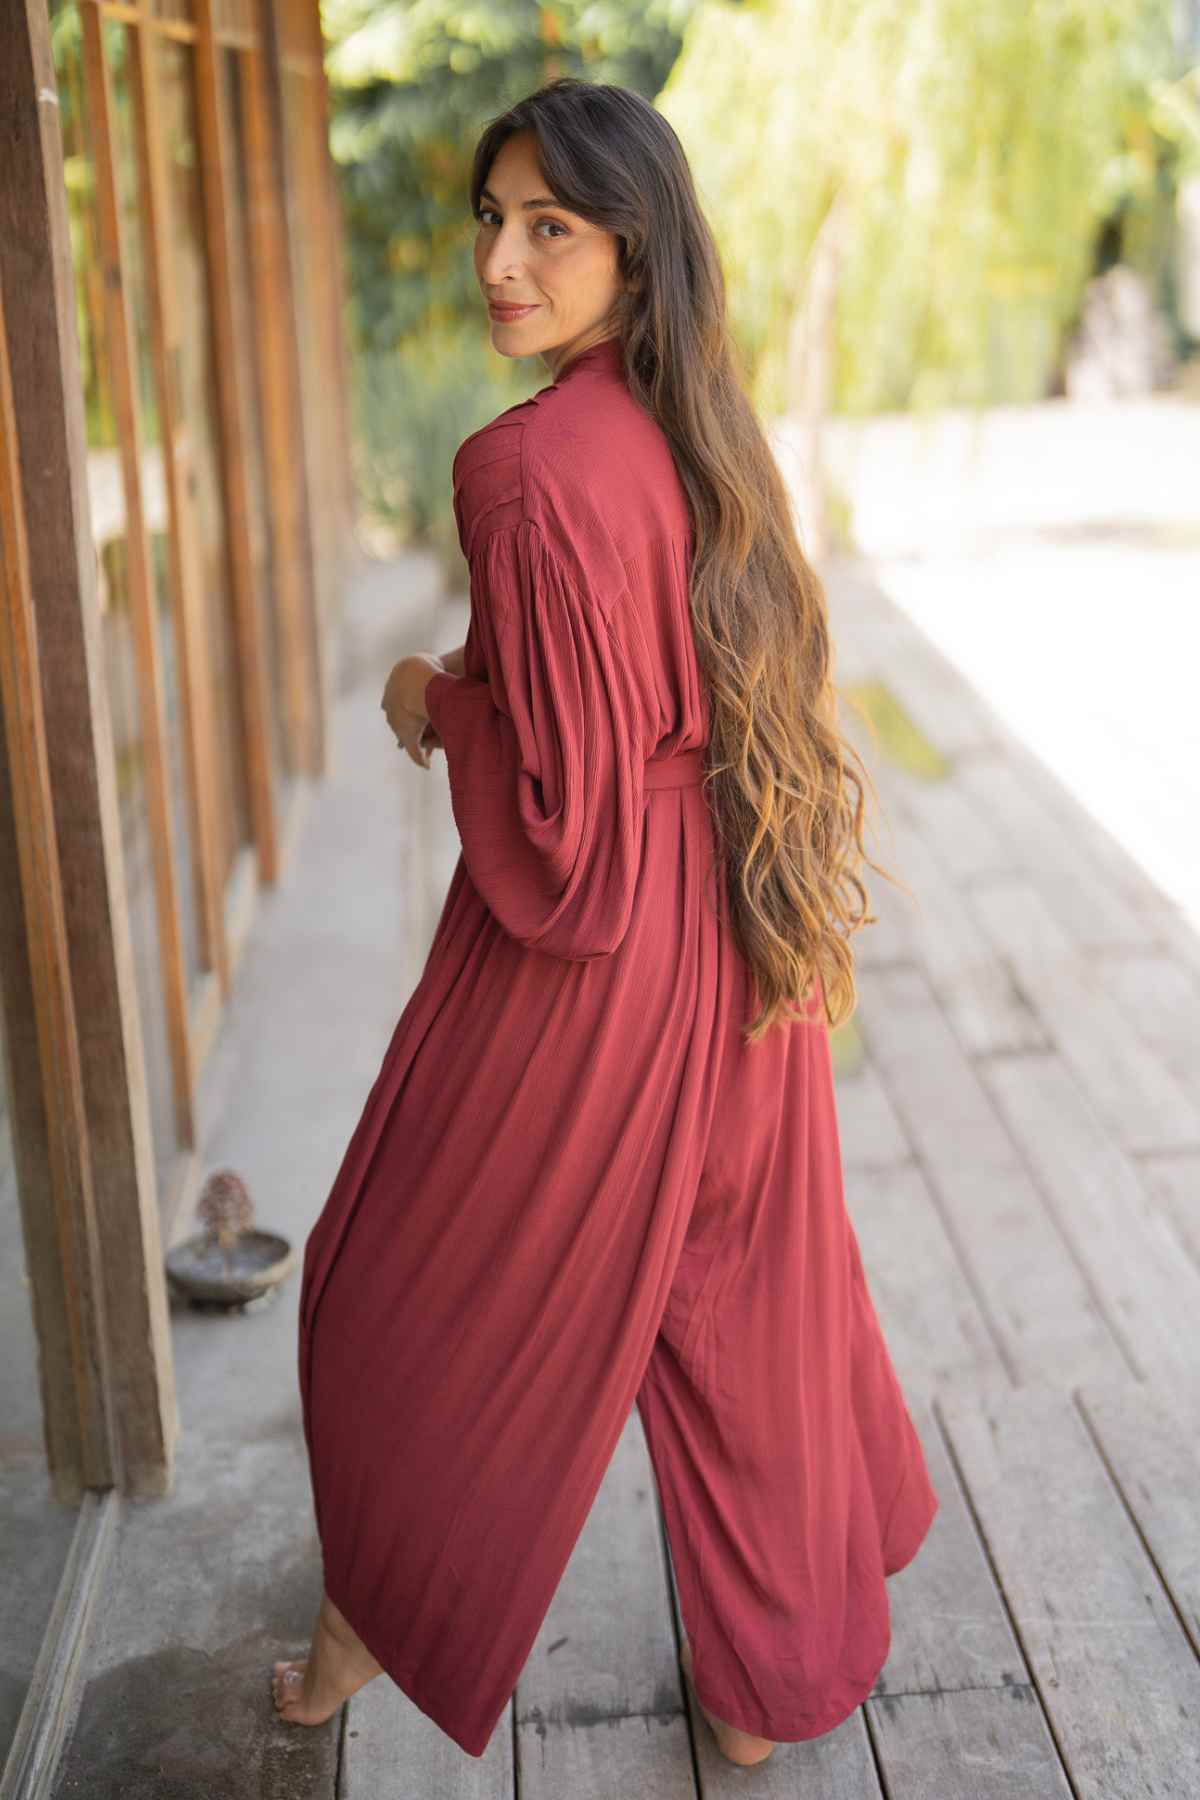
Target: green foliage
978,163
413,82
975,152
413,407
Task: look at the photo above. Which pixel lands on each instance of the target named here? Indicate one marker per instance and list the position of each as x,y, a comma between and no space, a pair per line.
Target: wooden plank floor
1019,1103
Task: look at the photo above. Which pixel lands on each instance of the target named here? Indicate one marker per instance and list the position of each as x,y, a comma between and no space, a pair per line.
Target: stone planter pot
208,1276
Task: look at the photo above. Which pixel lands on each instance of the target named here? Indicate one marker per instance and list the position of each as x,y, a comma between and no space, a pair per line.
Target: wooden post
339,355
277,188
274,316
189,603
83,1141
212,143
122,369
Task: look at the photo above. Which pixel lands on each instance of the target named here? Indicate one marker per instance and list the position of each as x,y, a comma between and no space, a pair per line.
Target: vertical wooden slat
306,218
338,352
61,1253
120,353
213,139
116,1286
307,150
195,668
289,532
290,176
284,438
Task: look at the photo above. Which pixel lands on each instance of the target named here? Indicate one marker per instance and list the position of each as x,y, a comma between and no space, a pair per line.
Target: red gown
574,1186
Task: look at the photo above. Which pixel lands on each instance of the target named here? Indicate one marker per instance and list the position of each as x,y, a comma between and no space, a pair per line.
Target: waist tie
684,769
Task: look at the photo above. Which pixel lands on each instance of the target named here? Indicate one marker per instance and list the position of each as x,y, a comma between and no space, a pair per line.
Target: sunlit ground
1052,553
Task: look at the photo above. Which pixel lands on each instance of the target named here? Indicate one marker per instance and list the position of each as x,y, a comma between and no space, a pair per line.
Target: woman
600,1165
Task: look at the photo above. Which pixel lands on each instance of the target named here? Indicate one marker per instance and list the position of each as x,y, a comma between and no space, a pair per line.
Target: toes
285,1671
285,1681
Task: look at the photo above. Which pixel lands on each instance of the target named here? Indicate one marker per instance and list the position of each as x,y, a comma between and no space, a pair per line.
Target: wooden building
175,524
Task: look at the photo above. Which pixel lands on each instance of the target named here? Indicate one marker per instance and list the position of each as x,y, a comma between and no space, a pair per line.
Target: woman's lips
506,313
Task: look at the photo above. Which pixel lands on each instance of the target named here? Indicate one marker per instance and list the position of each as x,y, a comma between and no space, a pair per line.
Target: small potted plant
229,1263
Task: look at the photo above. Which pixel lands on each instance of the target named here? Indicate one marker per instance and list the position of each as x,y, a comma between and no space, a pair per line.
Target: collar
608,354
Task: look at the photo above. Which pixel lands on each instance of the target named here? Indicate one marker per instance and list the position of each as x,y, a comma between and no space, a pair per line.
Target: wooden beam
116,1286
50,1129
335,294
121,358
187,600
275,317
212,142
305,452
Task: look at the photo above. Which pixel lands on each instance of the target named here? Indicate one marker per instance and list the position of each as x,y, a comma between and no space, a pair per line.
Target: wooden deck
1020,1116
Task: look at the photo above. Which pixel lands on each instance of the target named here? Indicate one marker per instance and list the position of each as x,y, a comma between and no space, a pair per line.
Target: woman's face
531,252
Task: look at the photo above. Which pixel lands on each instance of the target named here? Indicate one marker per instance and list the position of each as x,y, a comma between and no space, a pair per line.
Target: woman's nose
502,260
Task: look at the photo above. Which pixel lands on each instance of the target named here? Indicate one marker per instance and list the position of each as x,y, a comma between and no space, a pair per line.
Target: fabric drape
544,753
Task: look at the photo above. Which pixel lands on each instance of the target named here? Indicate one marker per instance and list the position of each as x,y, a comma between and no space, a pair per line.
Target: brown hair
784,787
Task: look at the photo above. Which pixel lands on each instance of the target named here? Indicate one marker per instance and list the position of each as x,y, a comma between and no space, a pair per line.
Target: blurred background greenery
956,173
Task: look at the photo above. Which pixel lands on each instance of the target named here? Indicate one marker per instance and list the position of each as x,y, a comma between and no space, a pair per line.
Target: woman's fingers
409,727
414,730
410,735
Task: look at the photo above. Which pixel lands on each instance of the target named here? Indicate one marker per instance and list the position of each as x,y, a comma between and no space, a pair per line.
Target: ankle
339,1628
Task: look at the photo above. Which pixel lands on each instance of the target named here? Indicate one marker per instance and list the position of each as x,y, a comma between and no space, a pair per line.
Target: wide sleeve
543,746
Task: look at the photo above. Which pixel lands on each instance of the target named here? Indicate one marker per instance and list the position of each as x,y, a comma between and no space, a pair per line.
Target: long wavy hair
786,791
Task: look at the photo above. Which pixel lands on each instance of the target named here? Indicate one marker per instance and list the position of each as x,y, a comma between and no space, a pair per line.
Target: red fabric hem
795,1730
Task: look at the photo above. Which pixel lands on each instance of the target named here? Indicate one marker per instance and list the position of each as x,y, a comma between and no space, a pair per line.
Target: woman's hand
454,663
403,704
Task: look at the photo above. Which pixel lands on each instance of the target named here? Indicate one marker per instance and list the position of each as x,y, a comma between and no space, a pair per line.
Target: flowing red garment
574,1185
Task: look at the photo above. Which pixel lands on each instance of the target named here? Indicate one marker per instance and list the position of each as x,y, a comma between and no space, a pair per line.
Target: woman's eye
485,214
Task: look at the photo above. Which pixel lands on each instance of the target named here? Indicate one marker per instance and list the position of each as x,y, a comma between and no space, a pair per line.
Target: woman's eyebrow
538,199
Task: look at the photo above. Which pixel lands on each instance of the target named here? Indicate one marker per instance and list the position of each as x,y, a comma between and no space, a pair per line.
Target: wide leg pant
791,1477
638,1207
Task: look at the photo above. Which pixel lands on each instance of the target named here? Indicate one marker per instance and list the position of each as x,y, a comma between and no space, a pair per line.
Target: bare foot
736,1745
310,1689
